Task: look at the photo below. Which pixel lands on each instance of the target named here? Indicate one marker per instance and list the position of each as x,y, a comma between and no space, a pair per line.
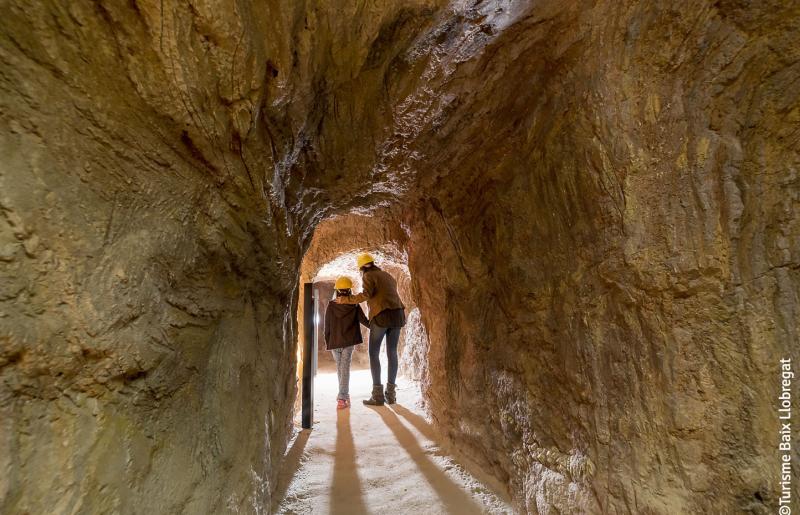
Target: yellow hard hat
365,259
343,283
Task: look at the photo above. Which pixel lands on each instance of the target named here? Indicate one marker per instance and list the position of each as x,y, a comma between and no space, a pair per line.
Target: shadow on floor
428,431
452,496
345,495
419,423
292,462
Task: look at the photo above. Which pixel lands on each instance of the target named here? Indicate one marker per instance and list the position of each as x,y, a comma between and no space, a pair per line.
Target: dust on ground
367,460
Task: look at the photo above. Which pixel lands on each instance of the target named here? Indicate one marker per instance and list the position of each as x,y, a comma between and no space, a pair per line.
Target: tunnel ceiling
338,241
598,203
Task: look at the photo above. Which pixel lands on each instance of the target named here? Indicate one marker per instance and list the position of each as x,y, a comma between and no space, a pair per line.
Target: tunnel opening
353,459
332,254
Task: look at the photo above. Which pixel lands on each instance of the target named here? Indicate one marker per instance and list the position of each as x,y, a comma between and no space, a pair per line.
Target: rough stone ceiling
345,265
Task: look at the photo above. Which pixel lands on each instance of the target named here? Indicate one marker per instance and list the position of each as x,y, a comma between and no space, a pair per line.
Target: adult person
386,317
342,333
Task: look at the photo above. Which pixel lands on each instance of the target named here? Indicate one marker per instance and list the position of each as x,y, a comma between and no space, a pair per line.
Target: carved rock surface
598,202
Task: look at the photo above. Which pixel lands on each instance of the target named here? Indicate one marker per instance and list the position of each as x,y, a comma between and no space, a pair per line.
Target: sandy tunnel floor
375,460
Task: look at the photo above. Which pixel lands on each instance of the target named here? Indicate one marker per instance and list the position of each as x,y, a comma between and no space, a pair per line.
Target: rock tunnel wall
163,167
601,199
145,286
608,297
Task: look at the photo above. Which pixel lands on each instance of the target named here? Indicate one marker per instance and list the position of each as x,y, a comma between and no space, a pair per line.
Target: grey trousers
342,357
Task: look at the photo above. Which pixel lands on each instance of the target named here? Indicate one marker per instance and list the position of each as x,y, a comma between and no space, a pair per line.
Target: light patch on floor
379,460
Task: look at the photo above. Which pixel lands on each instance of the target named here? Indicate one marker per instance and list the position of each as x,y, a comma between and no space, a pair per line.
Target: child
341,333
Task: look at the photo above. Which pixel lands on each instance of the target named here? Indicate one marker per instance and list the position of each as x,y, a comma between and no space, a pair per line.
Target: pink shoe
341,404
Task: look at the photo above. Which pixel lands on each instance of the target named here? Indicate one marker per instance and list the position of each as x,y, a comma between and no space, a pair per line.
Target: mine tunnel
590,210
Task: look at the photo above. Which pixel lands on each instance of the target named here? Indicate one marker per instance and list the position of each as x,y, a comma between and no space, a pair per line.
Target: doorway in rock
368,459
332,253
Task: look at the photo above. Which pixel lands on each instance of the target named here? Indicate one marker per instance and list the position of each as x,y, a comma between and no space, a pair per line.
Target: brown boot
391,393
377,396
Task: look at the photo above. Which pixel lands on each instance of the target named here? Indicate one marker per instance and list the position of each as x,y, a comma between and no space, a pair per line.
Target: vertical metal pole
317,318
309,355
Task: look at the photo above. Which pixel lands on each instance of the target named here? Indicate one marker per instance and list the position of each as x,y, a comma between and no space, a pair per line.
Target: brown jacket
341,325
380,292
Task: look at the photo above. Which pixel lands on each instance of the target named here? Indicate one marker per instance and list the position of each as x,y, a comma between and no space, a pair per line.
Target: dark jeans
376,334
